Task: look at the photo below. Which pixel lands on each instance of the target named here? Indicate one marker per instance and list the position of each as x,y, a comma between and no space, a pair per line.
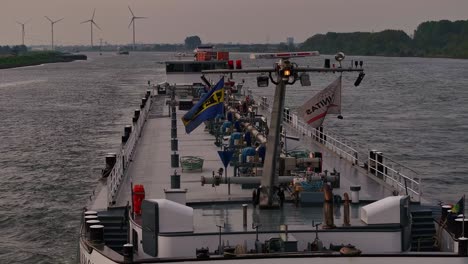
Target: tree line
431,39
13,50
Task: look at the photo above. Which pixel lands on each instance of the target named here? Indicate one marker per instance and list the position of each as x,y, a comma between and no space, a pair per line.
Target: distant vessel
263,195
183,54
122,51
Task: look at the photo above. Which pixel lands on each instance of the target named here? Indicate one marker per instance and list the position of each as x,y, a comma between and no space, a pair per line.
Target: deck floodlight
339,56
305,79
359,79
262,81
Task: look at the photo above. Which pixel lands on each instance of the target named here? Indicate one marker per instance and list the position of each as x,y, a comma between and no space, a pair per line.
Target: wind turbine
22,30
52,26
132,21
92,23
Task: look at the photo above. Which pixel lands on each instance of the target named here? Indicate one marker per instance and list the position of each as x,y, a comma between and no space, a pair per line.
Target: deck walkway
151,165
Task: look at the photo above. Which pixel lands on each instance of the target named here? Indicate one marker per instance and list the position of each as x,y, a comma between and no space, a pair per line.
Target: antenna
52,22
92,23
132,21
23,33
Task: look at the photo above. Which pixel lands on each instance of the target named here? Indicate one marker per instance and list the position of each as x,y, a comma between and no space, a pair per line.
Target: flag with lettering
327,101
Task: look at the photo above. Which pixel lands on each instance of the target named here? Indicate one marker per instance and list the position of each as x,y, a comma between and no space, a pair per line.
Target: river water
59,120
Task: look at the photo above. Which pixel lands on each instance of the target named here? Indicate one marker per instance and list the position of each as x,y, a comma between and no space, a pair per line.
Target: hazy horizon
215,21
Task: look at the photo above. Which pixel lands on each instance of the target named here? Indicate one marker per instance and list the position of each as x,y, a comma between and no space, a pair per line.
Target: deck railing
401,178
125,154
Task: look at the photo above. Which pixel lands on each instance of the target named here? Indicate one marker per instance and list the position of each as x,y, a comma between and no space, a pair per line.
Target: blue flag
209,106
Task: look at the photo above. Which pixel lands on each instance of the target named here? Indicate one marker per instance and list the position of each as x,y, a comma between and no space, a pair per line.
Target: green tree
192,42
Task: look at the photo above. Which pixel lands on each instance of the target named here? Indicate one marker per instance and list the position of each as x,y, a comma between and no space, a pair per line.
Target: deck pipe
90,213
240,180
244,214
90,218
111,159
173,132
174,121
143,102
90,223
328,208
445,211
355,193
127,132
175,160
136,115
174,144
96,234
127,253
248,126
148,94
463,246
175,180
346,218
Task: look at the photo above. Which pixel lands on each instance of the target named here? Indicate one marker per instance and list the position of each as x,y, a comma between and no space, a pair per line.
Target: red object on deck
222,55
138,197
204,56
230,64
238,64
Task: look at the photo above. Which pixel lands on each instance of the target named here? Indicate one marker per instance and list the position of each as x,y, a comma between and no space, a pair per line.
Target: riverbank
37,58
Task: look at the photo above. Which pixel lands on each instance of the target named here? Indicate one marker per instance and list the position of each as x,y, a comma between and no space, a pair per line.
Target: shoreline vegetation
33,58
432,39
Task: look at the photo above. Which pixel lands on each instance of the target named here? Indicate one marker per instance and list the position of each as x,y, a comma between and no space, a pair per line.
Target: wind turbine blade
131,11
58,20
139,17
131,21
96,25
19,23
94,12
86,21
49,19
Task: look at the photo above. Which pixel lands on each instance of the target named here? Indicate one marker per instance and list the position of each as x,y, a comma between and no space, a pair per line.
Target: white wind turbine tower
132,21
92,23
52,26
23,33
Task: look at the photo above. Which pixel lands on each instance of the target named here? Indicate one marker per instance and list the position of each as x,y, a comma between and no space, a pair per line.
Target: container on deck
222,55
138,197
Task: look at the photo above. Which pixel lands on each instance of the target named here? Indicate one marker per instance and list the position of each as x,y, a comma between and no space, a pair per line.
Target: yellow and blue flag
209,106
459,208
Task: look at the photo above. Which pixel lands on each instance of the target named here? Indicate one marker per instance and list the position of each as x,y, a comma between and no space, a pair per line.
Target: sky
215,21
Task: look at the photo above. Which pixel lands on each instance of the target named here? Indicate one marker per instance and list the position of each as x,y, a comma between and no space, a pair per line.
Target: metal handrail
393,173
396,178
125,154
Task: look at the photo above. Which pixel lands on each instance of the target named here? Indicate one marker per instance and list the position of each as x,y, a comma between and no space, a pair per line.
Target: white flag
327,101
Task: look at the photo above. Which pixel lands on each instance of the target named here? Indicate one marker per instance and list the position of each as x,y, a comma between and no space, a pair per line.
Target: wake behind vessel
258,197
